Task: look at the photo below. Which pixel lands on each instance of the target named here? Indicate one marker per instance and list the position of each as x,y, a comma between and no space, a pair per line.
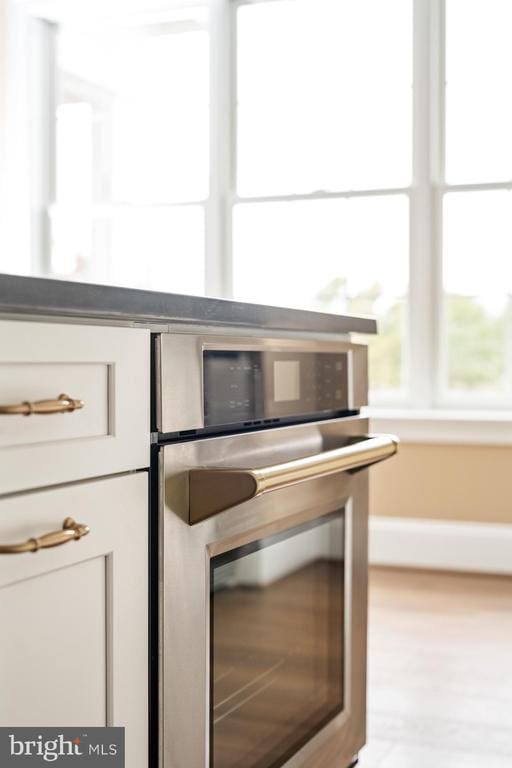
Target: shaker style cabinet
102,429
73,617
74,453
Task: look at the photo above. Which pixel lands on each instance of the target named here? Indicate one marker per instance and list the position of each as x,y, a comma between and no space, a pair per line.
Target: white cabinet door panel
50,675
38,381
73,618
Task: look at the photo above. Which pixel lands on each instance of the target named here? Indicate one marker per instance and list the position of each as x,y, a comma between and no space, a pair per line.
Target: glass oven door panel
277,643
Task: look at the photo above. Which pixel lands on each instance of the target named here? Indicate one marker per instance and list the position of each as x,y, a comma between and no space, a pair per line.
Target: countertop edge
42,296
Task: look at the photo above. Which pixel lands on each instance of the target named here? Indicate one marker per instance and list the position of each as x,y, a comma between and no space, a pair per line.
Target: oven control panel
246,386
209,383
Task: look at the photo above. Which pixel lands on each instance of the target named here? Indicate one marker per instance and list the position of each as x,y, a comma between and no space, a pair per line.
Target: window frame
223,192
424,346
425,354
43,97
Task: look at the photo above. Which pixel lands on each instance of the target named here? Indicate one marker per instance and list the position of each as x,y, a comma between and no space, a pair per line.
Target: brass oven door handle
214,490
70,530
62,404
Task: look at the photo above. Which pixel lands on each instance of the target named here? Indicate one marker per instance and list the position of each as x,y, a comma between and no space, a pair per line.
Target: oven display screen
242,386
277,615
286,381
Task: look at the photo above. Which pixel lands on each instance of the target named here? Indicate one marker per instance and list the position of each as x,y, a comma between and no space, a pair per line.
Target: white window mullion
43,99
218,237
487,186
437,171
421,341
4,87
340,194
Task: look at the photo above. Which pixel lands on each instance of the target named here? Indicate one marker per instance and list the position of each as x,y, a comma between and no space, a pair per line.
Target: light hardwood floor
440,671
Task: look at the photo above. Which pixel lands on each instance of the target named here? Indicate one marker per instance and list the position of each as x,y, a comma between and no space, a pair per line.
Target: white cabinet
108,369
73,618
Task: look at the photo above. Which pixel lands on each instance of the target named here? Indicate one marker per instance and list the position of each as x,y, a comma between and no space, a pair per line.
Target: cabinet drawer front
74,644
108,369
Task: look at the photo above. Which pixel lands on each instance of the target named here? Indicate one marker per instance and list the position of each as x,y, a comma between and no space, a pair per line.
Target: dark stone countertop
39,296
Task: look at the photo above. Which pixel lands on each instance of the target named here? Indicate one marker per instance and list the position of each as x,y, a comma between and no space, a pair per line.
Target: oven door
264,599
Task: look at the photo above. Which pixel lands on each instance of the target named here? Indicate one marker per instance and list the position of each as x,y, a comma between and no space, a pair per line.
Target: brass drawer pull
63,404
70,530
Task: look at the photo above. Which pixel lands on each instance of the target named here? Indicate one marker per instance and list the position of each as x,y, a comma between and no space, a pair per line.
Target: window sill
443,425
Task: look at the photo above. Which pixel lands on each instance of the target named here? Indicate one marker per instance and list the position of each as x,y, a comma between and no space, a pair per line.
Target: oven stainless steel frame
186,550
179,380
314,469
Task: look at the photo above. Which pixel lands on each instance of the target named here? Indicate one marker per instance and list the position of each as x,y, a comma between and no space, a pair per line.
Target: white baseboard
436,544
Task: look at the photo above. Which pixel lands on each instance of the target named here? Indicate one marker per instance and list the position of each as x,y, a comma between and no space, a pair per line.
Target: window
131,148
337,155
477,203
324,163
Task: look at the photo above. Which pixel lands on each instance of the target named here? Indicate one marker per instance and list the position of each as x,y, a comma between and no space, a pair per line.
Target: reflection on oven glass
277,630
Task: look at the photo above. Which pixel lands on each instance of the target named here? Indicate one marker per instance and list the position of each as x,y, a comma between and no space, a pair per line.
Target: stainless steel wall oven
263,550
